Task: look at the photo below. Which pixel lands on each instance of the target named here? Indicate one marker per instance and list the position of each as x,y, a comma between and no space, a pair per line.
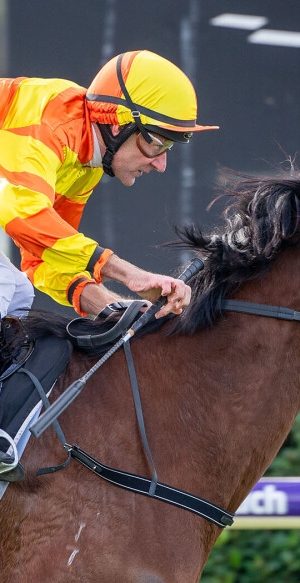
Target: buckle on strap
117,307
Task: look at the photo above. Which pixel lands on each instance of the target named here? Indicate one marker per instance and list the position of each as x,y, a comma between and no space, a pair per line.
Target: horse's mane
261,219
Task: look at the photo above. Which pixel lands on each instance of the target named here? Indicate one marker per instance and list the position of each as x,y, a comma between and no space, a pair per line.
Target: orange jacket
46,143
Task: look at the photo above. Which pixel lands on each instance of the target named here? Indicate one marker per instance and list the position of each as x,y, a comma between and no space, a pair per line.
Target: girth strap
152,487
141,485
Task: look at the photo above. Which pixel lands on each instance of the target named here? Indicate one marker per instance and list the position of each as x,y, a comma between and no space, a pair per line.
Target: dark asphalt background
251,91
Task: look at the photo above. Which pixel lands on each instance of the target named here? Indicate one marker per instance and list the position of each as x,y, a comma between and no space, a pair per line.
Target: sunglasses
155,148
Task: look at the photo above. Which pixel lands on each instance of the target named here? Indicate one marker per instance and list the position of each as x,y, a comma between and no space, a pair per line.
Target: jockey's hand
150,286
177,293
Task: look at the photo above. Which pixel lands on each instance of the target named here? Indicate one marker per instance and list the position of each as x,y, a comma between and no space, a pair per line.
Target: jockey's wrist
74,292
94,298
97,262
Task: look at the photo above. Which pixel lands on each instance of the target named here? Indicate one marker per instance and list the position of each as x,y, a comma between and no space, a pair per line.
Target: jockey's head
142,92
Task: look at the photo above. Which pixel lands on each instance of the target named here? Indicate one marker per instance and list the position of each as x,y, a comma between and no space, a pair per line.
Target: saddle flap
18,394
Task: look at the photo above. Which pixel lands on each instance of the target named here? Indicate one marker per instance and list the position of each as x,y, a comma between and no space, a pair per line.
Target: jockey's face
133,157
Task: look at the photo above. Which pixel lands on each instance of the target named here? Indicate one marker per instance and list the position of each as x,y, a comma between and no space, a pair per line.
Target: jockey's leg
16,297
16,291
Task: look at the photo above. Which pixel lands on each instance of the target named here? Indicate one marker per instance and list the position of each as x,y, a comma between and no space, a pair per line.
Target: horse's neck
280,286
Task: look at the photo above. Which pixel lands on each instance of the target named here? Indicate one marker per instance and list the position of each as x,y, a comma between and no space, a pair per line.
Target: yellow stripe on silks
71,254
73,178
51,282
26,154
31,99
12,202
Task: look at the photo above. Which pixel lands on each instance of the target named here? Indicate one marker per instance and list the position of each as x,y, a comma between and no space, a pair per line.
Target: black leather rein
260,310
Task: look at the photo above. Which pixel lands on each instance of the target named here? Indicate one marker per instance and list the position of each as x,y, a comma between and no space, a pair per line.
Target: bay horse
219,388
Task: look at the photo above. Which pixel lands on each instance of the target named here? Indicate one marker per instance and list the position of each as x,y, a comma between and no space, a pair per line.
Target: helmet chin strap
113,143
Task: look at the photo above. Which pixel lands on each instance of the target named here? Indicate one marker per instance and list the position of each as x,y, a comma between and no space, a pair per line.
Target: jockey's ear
115,129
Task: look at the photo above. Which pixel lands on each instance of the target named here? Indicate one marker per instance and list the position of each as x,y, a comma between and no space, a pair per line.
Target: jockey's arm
147,285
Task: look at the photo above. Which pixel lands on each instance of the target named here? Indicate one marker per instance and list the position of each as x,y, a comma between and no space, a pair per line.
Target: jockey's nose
159,163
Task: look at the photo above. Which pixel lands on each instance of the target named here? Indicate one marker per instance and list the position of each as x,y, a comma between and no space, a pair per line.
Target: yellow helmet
142,87
141,91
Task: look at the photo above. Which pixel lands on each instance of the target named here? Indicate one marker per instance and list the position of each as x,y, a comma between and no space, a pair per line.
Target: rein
260,310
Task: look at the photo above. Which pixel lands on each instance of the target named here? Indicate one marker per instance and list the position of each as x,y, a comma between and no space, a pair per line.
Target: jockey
57,140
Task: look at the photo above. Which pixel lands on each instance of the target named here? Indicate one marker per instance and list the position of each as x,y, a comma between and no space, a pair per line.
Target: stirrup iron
8,467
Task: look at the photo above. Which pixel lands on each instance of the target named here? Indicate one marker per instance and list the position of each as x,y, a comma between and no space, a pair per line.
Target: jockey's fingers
180,298
175,304
177,291
168,310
